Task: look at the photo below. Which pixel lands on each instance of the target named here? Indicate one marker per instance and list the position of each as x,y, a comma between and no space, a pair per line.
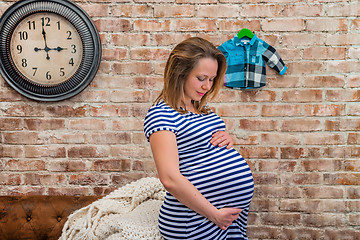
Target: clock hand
47,49
59,49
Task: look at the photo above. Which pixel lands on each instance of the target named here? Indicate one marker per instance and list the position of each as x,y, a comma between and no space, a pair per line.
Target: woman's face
200,79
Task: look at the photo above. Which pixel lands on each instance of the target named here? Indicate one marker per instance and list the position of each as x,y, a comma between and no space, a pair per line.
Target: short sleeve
159,119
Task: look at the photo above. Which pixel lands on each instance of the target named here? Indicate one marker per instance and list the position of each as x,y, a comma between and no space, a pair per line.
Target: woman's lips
201,94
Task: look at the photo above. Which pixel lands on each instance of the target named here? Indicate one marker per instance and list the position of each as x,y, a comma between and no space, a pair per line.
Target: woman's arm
165,152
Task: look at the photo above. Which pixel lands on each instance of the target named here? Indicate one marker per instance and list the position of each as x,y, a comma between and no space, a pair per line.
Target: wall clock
49,50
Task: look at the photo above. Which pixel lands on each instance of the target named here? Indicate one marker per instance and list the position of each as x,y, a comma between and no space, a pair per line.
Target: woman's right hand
225,217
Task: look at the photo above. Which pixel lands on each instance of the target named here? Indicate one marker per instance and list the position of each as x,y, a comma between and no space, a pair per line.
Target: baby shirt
246,60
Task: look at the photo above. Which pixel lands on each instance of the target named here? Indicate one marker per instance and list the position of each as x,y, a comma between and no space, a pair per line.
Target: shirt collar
237,41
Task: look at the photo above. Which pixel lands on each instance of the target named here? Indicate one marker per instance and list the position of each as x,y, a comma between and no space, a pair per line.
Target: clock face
46,49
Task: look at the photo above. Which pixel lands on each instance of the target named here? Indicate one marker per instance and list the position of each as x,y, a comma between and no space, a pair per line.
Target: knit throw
128,213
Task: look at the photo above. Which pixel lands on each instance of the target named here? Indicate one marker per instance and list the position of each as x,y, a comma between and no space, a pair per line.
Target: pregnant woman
209,184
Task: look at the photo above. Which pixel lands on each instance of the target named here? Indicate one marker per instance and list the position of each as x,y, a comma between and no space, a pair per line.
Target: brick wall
300,133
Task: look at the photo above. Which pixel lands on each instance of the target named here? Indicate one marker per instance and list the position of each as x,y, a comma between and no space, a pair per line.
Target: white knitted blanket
128,213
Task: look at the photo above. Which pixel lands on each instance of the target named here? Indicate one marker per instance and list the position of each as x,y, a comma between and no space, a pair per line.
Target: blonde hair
182,60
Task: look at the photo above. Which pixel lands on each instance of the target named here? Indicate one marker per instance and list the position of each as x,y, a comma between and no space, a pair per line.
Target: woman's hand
225,217
221,139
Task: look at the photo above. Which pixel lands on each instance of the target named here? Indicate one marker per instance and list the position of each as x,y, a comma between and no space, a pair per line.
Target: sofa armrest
37,217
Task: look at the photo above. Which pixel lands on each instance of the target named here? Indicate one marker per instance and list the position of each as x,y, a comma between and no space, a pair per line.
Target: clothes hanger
245,33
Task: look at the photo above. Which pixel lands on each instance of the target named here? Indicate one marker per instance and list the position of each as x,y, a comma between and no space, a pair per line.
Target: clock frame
49,50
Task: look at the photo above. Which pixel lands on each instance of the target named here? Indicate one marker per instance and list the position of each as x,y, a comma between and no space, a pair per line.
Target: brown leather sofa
37,217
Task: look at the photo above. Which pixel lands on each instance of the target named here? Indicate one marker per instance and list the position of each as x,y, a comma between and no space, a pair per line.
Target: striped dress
221,175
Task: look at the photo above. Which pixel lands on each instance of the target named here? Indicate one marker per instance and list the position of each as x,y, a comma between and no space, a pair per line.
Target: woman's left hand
221,139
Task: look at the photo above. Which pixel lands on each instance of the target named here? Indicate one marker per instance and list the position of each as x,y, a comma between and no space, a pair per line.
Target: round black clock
49,50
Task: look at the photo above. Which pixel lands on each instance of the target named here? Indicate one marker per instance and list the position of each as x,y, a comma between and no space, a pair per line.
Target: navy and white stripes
221,175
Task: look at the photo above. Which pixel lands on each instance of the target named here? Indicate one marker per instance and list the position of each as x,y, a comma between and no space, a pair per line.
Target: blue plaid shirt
246,60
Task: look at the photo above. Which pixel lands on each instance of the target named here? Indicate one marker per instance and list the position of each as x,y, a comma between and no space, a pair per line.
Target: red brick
282,166
303,39
334,206
263,205
113,25
342,39
324,81
152,25
282,219
125,178
323,220
10,179
257,96
325,110
149,54
134,67
127,10
237,110
144,166
66,111
280,139
235,25
326,24
265,178
11,124
320,165
10,96
324,53
259,152
258,125
127,39
342,234
96,10
301,205
323,192
23,110
302,10
281,110
89,179
87,124
302,95
45,151
109,110
88,152
25,191
276,191
131,151
69,191
191,25
250,10
262,232
301,178
44,179
177,11
22,138
354,53
291,153
166,39
301,125
324,139
111,165
92,96
127,95
44,124
305,233
110,138
67,166
342,178
217,11
344,9
114,54
351,165
353,193
71,138
283,25
343,66
11,151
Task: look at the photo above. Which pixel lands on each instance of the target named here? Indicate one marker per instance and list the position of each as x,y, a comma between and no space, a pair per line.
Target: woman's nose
206,85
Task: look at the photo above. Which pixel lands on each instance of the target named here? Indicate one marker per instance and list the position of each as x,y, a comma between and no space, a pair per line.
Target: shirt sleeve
273,60
159,119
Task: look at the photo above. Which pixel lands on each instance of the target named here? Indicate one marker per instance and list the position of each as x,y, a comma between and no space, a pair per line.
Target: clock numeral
62,73
45,21
31,25
35,69
19,48
71,62
69,35
58,23
24,62
23,35
48,76
73,48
